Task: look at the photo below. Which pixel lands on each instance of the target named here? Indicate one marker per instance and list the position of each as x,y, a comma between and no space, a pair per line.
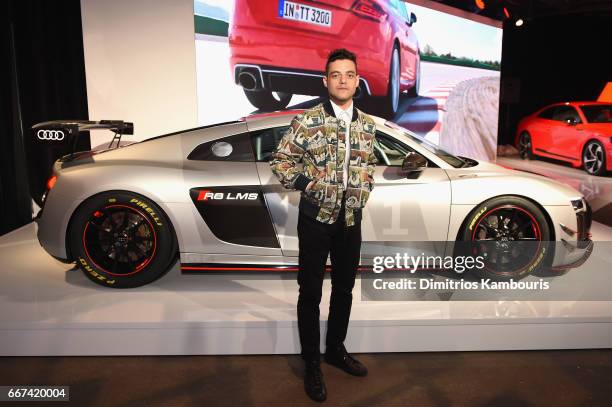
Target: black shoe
313,381
341,359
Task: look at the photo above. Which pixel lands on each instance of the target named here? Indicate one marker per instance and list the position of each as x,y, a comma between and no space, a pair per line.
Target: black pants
316,241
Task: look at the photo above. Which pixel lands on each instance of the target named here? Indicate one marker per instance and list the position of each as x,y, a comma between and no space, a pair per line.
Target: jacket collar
330,110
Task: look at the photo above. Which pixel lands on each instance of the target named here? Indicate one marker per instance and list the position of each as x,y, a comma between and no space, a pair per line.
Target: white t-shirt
346,116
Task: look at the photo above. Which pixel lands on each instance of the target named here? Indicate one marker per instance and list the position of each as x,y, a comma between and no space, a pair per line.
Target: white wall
140,64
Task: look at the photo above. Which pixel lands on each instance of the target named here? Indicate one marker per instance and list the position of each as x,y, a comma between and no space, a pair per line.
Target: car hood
604,128
486,180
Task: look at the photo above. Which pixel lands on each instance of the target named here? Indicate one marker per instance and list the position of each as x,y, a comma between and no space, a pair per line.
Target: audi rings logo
54,135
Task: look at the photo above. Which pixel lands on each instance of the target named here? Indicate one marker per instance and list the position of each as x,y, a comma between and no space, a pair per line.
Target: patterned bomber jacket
317,138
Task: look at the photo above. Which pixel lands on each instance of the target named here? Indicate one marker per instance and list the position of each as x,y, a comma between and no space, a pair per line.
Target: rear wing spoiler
67,131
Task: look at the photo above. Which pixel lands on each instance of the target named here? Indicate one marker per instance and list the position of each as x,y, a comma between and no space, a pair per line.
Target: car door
409,46
406,212
540,130
228,206
566,137
281,202
403,214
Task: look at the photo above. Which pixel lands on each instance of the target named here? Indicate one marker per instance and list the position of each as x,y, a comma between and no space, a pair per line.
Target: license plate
306,14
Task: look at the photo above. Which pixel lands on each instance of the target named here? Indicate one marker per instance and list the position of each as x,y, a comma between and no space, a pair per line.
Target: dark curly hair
341,53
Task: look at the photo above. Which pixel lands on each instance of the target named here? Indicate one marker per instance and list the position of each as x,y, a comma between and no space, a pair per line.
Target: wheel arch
395,44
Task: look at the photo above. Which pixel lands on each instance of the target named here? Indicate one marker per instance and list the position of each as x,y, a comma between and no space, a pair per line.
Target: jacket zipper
337,149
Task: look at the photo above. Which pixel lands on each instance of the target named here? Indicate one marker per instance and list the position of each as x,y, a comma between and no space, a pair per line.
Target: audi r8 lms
208,197
279,47
576,132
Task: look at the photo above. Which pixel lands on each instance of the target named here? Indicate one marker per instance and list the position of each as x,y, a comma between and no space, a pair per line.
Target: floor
516,378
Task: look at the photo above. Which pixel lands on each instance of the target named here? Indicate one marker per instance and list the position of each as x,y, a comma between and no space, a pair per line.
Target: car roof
263,120
288,113
591,102
259,116
576,103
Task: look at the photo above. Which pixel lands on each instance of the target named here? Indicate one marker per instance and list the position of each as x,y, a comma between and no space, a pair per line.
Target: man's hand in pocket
311,184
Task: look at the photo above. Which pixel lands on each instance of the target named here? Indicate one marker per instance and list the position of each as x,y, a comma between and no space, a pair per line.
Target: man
335,142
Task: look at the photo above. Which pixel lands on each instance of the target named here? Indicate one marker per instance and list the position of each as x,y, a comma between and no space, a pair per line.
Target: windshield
597,113
429,146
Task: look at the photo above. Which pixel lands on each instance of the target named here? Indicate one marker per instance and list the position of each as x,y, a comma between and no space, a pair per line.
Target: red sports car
577,132
280,47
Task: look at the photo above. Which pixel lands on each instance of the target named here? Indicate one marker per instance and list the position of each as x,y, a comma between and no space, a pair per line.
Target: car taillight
369,9
51,182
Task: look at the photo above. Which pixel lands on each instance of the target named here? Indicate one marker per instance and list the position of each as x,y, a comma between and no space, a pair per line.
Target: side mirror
413,162
571,121
413,18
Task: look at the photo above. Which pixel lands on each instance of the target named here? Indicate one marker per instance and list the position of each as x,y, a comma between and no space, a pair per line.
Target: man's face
341,80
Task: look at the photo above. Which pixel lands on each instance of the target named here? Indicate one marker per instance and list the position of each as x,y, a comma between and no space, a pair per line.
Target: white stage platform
48,309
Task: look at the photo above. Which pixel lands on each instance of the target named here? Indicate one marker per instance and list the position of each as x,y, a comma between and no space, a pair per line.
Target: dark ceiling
532,9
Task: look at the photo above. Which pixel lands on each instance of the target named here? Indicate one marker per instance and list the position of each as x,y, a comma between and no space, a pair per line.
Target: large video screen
431,72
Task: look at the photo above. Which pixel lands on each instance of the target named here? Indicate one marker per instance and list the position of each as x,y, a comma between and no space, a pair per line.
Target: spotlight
519,22
480,4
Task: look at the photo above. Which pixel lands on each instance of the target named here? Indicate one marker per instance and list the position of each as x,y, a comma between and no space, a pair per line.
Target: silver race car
207,196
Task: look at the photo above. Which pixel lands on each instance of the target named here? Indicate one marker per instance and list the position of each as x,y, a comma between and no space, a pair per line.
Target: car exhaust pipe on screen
248,81
358,92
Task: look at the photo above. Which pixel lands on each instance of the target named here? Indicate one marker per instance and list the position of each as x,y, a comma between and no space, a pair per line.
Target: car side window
403,11
563,113
547,113
387,150
390,152
597,113
266,141
231,148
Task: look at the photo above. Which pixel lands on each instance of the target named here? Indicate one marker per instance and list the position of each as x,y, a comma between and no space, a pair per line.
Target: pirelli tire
525,146
392,99
511,234
121,239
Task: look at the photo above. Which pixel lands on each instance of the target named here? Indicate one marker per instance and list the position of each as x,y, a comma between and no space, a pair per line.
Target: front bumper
573,253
